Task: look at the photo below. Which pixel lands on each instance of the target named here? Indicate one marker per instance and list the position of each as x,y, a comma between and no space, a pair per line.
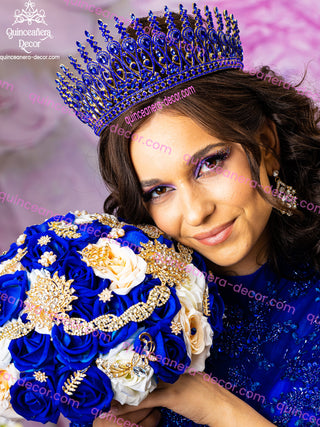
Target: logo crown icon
132,70
29,14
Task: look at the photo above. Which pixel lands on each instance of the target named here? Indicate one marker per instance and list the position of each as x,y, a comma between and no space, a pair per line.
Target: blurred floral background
47,156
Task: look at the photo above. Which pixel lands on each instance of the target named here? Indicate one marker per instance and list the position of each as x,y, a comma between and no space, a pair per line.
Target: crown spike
76,66
153,22
120,27
82,50
219,19
103,28
127,72
92,42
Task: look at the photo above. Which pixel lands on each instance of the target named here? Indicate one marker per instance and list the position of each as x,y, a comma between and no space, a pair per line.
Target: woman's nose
196,206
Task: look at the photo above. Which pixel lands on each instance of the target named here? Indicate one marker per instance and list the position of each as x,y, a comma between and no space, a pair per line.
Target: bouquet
93,309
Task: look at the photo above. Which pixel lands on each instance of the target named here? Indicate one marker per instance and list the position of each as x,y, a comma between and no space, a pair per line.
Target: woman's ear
269,140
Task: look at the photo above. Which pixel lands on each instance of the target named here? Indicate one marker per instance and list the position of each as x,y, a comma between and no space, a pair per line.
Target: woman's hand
201,402
142,417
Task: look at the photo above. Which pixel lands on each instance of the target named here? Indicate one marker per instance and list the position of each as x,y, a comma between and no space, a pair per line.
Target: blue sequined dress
269,352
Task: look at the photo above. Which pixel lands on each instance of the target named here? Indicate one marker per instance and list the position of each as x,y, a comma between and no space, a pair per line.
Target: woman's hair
233,106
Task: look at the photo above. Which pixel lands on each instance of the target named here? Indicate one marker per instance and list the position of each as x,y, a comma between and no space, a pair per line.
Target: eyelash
219,157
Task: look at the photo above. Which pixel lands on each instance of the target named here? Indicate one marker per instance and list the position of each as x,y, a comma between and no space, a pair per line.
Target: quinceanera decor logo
29,15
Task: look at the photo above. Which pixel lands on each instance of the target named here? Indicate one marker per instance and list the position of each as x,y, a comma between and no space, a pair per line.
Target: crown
130,71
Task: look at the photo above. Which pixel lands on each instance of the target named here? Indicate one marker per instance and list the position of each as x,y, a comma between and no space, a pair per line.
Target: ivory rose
125,269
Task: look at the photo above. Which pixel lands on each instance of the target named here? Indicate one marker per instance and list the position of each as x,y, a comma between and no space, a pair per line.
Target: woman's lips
216,236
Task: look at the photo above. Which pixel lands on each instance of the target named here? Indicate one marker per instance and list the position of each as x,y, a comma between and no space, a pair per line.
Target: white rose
121,265
132,388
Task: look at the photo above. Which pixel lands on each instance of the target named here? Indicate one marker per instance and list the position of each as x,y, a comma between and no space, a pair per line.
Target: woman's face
216,215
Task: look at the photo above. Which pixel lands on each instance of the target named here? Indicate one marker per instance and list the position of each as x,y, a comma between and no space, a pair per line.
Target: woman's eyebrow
150,182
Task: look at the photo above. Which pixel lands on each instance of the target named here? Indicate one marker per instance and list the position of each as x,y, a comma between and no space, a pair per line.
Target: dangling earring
288,195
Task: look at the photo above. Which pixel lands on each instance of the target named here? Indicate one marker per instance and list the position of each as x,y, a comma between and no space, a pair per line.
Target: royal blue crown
131,71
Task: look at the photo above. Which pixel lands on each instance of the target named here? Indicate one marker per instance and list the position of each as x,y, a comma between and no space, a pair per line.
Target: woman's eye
155,193
209,164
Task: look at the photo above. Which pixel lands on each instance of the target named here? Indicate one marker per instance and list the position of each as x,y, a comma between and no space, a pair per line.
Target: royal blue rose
13,289
117,305
85,282
74,351
91,233
163,314
133,238
34,400
31,352
94,391
170,352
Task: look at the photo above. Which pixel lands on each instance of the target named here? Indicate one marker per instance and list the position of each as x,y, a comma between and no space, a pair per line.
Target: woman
236,144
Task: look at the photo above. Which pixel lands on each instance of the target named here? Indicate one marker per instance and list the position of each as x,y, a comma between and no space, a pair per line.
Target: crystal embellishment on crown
130,71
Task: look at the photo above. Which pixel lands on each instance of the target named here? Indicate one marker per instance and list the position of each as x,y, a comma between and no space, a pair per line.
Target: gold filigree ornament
64,229
155,254
139,312
12,265
72,383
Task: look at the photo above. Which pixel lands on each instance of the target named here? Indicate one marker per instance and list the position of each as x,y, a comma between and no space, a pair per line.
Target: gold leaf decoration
159,259
72,383
12,265
64,229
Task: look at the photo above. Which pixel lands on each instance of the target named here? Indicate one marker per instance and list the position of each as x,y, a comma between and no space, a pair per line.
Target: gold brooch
139,364
156,255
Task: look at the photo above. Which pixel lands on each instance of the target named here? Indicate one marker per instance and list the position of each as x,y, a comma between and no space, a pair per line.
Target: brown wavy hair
233,105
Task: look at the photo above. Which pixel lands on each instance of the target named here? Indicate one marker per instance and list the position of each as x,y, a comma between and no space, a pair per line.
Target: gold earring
288,199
